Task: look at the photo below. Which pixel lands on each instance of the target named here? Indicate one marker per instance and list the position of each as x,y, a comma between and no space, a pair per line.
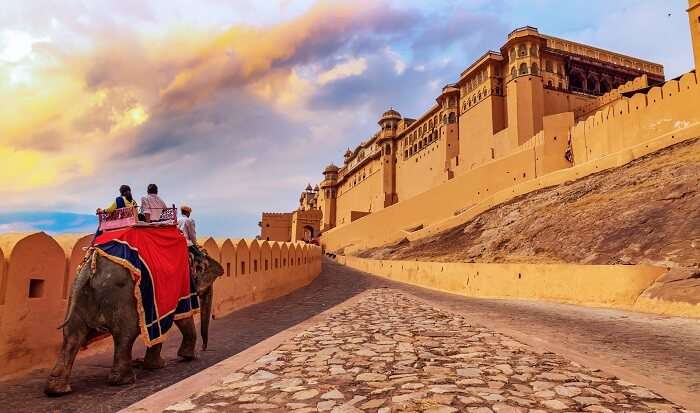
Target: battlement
659,110
37,272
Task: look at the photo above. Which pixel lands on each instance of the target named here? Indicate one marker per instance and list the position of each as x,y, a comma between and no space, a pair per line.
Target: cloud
348,68
229,117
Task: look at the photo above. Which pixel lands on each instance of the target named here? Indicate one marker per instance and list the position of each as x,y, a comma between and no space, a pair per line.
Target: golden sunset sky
234,106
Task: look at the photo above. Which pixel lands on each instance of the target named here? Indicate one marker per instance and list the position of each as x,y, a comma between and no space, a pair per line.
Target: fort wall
421,172
37,271
666,109
363,194
624,285
624,131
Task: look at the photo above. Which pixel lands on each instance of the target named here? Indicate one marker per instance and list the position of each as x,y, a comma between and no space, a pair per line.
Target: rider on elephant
124,200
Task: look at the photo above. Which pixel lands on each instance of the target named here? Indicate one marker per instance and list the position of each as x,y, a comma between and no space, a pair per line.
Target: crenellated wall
668,109
37,271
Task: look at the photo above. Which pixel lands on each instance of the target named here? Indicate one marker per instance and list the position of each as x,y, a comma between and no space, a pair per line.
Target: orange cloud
77,109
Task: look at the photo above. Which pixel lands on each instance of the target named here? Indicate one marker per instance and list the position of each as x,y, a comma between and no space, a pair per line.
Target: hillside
647,211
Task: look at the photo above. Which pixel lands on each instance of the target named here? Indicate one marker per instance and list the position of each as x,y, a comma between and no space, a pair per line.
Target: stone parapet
37,271
614,286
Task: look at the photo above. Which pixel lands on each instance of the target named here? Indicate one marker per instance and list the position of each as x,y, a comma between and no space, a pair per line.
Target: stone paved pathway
392,353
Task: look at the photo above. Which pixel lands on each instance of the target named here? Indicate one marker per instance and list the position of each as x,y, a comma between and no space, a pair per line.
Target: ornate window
512,53
513,72
548,66
522,50
452,118
535,69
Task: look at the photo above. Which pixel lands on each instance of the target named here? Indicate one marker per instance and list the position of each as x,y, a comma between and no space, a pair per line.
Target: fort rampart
37,270
621,132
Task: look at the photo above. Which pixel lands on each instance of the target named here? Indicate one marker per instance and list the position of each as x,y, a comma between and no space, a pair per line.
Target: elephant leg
189,338
74,336
122,373
153,360
205,302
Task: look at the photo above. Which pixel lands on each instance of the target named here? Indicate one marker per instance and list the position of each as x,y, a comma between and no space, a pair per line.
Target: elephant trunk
205,303
85,272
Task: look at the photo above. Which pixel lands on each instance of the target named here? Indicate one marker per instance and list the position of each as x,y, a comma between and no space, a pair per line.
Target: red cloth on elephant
158,260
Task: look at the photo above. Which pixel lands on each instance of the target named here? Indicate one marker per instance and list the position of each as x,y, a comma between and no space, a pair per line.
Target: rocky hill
647,211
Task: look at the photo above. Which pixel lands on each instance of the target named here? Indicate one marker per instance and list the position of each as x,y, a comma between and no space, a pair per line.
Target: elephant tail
84,275
205,303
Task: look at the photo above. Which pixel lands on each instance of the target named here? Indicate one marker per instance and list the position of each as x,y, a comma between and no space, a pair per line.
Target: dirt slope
647,211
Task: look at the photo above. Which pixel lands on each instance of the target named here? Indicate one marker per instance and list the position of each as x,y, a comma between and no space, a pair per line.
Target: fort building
526,95
301,225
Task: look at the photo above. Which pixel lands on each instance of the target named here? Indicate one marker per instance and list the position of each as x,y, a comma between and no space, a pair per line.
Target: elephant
102,301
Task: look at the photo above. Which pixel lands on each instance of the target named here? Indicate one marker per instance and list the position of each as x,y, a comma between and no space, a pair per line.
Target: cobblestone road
664,350
392,353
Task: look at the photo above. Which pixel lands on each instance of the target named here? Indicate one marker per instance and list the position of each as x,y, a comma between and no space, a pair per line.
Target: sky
232,107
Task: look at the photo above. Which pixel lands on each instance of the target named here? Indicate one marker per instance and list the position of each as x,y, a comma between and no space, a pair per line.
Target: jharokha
530,109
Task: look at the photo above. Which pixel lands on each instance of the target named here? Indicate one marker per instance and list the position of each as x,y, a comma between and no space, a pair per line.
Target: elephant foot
186,354
187,349
57,386
119,378
153,362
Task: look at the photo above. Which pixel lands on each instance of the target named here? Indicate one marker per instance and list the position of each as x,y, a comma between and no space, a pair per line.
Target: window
405,154
513,72
228,269
243,268
535,69
523,69
266,264
452,118
36,288
522,50
255,265
277,262
512,53
284,262
548,66
549,83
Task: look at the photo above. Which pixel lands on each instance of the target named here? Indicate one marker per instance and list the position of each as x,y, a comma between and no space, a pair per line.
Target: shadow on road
228,336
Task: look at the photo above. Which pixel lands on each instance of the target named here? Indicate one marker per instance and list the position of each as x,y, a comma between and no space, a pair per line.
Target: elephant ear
198,265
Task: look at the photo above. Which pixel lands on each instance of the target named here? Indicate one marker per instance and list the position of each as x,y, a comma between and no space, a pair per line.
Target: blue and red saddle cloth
158,260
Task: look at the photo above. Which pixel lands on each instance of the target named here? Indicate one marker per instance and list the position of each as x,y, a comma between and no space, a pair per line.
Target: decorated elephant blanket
158,260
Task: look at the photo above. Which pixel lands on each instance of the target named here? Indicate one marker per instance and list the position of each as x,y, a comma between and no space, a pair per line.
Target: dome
390,114
316,188
330,169
308,188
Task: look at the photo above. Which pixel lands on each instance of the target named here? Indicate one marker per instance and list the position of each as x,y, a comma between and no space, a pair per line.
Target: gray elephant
102,301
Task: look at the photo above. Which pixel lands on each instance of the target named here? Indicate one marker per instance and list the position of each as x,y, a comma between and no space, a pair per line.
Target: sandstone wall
37,271
624,131
670,109
614,286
